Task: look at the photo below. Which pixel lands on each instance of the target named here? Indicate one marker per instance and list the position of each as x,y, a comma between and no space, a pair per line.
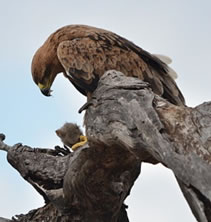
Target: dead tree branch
126,112
82,186
126,124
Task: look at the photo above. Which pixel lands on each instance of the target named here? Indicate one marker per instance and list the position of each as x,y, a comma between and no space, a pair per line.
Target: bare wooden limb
82,186
125,111
126,124
4,220
44,169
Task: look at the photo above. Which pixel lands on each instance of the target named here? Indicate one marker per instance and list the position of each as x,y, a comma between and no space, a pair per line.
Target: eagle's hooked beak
46,91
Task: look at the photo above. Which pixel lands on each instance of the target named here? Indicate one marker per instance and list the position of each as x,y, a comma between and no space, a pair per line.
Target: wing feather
168,61
87,58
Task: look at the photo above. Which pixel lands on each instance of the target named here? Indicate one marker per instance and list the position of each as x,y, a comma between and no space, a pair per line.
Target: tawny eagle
84,53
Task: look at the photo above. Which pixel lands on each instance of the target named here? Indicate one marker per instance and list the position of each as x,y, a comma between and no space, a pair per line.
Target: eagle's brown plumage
84,53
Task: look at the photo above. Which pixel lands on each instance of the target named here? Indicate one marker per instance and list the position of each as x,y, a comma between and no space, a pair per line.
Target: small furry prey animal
71,136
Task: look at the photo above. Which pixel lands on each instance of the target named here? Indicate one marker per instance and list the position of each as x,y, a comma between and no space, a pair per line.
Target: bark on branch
126,124
126,112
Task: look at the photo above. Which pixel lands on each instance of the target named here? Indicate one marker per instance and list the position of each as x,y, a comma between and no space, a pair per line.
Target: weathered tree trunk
126,124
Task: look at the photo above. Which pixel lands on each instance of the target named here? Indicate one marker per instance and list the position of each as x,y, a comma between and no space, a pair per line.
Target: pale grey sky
180,29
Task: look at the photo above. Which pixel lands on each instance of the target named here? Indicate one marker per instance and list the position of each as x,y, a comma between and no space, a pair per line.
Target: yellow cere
41,86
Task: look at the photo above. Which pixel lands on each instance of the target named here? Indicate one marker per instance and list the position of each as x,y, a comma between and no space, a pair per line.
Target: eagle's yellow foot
83,140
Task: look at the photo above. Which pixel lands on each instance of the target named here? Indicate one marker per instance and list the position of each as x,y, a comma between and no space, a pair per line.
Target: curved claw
65,151
85,106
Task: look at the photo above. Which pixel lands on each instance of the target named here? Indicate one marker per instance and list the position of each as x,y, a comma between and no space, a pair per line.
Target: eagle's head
45,67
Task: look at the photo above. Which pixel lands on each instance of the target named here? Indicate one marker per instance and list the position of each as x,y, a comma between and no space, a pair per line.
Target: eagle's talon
85,106
65,151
